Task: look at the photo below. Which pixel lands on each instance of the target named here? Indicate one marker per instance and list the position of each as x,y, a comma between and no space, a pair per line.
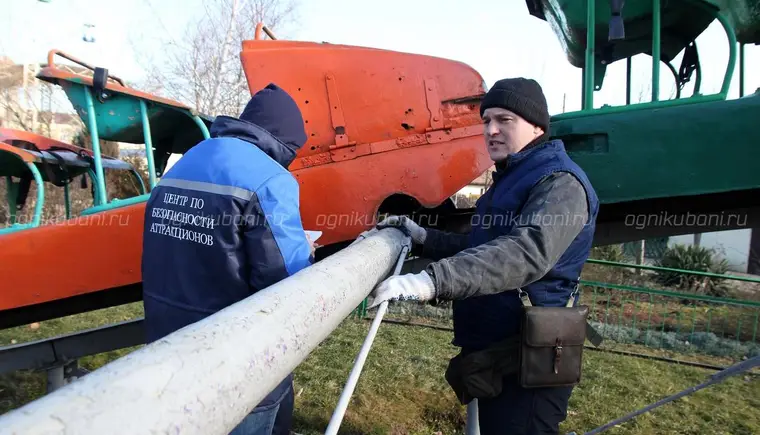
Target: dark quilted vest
483,320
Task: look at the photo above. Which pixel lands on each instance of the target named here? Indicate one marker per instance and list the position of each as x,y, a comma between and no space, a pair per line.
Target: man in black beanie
224,223
531,232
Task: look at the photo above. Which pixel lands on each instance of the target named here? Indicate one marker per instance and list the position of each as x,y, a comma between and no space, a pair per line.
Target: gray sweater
553,215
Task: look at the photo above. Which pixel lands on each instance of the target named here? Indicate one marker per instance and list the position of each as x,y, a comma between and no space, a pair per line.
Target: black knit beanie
521,96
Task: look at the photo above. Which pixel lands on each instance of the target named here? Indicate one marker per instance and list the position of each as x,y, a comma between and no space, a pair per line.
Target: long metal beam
204,378
62,349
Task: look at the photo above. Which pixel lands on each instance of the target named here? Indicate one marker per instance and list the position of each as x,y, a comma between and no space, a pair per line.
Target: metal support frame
628,67
741,70
166,383
101,202
37,217
675,76
353,377
11,191
55,379
148,144
140,182
58,356
656,34
60,350
588,70
40,194
61,374
201,125
472,427
67,200
100,192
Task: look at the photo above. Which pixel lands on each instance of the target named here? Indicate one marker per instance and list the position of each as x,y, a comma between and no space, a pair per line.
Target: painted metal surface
18,153
114,242
682,150
57,73
417,132
10,136
165,387
359,101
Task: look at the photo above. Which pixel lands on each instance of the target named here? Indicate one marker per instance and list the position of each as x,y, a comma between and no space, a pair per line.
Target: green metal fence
674,320
628,313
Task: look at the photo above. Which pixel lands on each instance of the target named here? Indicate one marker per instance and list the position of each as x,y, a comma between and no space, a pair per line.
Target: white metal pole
472,427
206,377
353,377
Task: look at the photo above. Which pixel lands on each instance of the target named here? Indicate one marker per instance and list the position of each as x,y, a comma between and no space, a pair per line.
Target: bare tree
20,98
204,71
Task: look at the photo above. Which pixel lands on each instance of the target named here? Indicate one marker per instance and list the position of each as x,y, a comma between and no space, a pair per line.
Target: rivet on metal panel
433,104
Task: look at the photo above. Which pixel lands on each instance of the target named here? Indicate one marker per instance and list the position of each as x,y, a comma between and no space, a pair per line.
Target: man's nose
491,129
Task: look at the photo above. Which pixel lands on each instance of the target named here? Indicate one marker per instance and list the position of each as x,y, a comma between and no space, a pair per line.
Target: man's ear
538,131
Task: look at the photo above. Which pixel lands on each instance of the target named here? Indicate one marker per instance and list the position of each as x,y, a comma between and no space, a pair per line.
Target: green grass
402,389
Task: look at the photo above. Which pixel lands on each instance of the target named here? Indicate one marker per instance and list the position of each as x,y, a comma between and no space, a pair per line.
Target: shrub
608,253
694,258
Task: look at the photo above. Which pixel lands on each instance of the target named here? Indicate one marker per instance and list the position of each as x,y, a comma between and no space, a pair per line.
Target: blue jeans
272,419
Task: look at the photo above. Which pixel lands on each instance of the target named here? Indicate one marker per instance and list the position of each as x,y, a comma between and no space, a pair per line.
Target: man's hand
417,233
312,245
411,286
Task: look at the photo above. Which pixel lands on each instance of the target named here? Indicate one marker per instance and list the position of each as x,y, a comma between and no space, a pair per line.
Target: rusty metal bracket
336,113
433,105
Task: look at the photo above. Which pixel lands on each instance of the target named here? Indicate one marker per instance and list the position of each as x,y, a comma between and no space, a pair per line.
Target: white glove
411,286
417,233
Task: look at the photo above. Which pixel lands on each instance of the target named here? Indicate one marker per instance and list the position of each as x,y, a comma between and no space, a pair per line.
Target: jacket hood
227,126
274,110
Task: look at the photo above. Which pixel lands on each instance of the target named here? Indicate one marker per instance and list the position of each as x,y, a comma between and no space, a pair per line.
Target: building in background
30,104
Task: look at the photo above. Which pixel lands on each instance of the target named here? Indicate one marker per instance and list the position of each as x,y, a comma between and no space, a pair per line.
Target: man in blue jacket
224,223
532,229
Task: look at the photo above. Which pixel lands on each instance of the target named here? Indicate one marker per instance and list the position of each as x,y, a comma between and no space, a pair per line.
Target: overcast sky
496,37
